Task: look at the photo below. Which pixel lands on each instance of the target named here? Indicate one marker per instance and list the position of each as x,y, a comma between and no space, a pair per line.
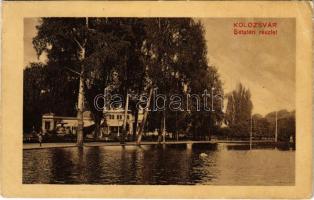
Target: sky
263,64
30,32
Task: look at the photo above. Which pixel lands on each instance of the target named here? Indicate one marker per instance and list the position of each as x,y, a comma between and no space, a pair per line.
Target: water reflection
246,146
223,164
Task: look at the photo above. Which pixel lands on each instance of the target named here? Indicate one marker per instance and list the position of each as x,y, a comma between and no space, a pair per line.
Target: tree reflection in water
225,164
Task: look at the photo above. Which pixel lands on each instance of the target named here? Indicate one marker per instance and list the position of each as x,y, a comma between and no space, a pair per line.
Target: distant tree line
240,121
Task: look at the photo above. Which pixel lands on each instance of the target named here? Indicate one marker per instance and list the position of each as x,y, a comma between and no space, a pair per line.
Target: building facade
63,124
111,126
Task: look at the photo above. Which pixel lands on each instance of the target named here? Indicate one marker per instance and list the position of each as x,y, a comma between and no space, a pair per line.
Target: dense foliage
165,53
131,56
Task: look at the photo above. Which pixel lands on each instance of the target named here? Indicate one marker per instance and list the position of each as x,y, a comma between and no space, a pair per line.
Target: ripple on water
151,164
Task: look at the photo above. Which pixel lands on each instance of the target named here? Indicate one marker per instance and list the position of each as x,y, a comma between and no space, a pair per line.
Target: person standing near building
40,139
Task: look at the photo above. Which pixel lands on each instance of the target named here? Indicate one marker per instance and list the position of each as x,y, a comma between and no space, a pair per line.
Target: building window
111,116
47,125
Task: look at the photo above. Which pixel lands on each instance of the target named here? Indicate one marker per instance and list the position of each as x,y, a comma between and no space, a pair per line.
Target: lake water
221,164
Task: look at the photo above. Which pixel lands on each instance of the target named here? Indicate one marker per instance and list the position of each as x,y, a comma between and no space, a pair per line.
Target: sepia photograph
159,101
156,99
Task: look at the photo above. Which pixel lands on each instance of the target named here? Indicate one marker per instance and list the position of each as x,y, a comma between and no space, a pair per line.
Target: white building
113,125
62,124
115,119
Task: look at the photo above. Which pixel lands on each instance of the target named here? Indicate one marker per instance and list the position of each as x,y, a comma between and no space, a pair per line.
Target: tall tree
46,89
166,53
176,54
239,110
85,46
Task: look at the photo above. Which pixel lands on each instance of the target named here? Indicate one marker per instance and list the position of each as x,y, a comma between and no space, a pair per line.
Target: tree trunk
97,129
126,107
80,102
176,131
159,139
135,124
162,130
136,113
164,126
139,138
80,122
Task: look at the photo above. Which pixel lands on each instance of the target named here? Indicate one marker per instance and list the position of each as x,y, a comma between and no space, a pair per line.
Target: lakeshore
28,146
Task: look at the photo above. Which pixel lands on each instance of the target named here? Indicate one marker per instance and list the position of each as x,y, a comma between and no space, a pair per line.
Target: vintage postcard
157,99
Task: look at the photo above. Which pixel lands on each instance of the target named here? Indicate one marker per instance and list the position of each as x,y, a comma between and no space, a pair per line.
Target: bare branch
73,71
79,44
